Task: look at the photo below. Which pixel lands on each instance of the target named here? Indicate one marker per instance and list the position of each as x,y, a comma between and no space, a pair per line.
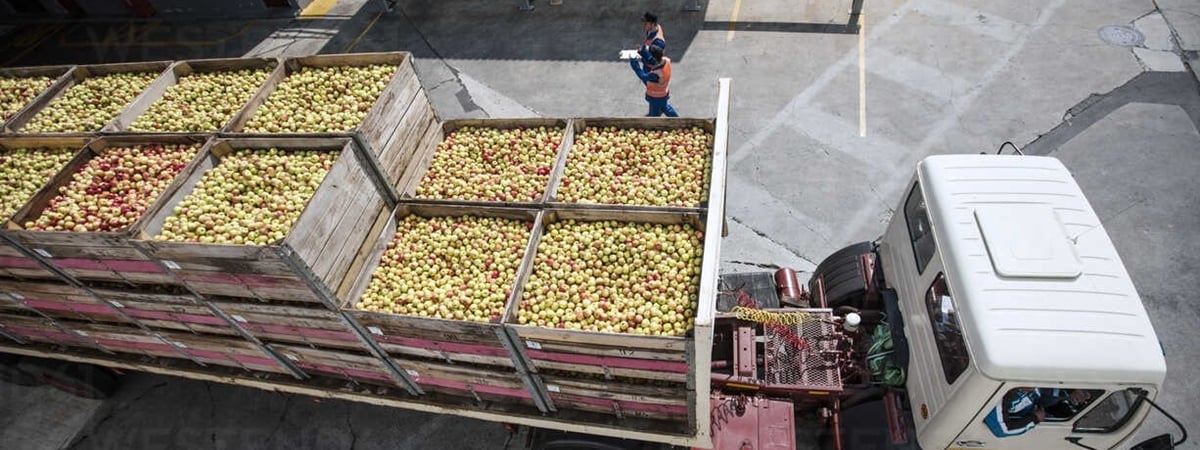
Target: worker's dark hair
656,52
650,17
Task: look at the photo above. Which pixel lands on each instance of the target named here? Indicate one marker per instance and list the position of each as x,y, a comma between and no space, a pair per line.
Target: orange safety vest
658,34
659,89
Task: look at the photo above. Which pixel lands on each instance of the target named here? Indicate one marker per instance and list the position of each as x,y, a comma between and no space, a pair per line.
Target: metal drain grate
816,366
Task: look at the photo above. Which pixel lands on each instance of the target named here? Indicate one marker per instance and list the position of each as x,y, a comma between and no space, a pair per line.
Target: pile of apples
91,104
459,268
201,101
24,171
615,277
321,99
638,167
252,197
114,188
489,164
16,92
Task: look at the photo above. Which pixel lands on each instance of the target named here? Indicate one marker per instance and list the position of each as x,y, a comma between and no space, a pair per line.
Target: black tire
843,276
81,380
12,374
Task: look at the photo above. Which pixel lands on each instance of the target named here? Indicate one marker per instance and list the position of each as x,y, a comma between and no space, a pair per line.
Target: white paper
628,54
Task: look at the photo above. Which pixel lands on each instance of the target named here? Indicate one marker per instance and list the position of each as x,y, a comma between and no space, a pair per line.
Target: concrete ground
826,126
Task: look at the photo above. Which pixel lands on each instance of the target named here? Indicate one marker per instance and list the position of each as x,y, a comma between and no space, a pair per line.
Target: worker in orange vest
654,36
656,75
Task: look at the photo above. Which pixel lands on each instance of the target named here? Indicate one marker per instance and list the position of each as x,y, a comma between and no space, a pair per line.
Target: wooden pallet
17,264
315,327
440,381
166,309
348,366
181,69
225,351
58,74
56,299
305,266
76,75
666,124
98,256
425,337
24,328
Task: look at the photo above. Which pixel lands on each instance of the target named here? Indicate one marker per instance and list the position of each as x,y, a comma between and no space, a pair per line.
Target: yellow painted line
364,33
318,8
737,4
862,75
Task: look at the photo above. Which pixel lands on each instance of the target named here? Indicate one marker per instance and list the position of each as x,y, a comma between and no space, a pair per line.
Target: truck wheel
843,276
10,373
81,380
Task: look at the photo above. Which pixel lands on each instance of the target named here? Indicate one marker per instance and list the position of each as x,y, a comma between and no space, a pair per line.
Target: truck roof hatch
1027,241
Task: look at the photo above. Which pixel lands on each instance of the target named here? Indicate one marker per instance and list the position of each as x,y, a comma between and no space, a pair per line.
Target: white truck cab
1009,285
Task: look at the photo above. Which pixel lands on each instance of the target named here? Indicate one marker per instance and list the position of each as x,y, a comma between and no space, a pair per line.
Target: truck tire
81,380
843,276
12,374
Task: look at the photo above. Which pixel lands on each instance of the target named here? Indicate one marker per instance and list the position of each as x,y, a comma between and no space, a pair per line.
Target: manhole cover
1121,35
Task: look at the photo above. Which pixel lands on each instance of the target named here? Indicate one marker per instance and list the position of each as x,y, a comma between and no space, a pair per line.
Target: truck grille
815,366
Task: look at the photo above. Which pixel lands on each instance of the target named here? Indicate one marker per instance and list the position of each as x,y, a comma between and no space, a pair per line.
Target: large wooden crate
393,104
624,375
99,256
165,308
57,74
181,69
307,265
314,327
414,172
74,77
656,124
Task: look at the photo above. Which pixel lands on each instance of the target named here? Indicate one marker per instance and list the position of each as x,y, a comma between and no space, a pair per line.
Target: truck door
1026,417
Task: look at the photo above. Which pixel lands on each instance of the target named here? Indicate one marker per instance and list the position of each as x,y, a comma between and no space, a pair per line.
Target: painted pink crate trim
151,346
72,307
79,264
625,405
32,333
607,361
473,349
457,385
353,373
228,358
176,317
305,332
245,280
19,262
126,265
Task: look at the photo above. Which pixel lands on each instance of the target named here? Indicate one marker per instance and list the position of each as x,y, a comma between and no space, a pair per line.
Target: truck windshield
919,231
1110,414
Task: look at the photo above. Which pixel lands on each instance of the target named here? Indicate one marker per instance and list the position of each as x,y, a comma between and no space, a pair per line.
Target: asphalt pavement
829,114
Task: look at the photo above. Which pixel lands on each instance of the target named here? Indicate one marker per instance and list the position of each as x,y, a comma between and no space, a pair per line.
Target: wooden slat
350,366
484,383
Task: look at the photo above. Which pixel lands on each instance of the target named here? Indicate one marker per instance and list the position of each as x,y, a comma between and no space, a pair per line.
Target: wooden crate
483,386
25,328
393,104
58,75
351,367
17,264
99,256
667,124
305,266
181,69
225,351
165,308
315,327
60,300
426,151
127,340
426,337
609,372
75,76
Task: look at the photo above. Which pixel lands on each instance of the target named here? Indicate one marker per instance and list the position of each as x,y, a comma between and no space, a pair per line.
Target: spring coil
769,318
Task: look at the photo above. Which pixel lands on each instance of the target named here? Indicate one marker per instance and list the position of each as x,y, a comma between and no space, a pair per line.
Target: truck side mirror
1160,442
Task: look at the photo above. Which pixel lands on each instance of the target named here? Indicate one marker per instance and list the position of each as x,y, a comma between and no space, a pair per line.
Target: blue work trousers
659,106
